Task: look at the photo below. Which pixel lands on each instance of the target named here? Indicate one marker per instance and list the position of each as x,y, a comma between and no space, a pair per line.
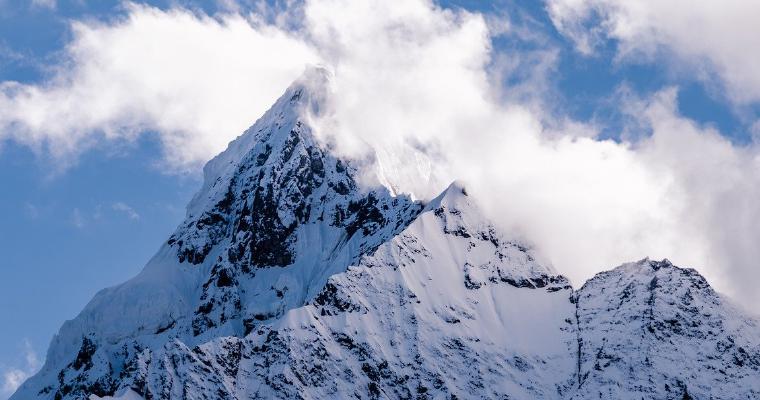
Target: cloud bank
419,84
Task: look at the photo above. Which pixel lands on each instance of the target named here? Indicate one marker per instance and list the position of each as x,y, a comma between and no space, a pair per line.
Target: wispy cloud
31,210
13,377
126,209
7,54
48,4
77,218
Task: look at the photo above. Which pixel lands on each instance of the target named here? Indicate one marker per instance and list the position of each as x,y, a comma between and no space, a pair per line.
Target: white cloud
13,377
126,209
715,185
704,37
411,73
196,80
421,76
31,210
77,219
49,4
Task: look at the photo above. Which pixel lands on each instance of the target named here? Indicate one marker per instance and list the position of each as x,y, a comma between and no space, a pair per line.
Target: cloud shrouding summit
409,73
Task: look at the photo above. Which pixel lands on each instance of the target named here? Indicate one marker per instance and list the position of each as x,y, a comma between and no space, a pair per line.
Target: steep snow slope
297,275
448,308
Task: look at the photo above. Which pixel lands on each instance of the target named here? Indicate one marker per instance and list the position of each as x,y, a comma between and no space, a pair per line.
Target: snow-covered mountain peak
455,193
653,330
278,213
301,101
295,276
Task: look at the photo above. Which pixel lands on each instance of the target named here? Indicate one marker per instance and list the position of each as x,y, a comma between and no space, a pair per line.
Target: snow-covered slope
295,276
447,307
652,330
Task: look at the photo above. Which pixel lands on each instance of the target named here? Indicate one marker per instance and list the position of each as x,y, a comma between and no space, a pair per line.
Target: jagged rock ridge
291,277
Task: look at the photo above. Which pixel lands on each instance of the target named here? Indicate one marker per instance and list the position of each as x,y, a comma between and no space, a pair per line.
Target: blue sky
64,234
75,221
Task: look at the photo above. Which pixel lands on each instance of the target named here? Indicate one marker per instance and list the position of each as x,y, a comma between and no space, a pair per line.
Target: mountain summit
292,278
